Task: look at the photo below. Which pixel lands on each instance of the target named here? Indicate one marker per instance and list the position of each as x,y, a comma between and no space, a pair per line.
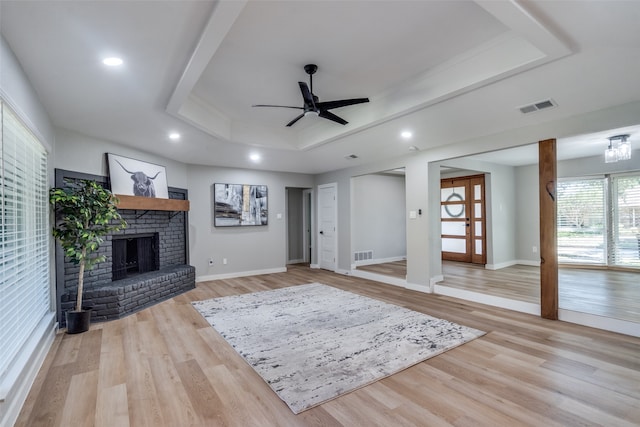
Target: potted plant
85,213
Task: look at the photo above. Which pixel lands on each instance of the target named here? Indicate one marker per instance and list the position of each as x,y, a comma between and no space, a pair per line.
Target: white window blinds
625,236
24,238
582,221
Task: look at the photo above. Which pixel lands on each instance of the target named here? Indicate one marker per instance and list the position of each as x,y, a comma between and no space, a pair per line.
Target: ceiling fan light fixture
311,113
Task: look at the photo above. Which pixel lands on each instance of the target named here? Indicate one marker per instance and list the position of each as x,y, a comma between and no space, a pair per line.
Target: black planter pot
78,321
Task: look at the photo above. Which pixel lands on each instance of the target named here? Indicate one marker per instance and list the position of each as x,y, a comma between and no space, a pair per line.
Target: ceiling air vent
537,106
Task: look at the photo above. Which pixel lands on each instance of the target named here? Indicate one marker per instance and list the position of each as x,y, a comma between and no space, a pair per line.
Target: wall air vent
362,256
537,106
351,157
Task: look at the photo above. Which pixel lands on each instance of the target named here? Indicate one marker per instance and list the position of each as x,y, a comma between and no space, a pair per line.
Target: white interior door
327,236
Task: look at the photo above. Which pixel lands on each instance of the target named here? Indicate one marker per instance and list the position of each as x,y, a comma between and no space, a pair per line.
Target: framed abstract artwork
239,205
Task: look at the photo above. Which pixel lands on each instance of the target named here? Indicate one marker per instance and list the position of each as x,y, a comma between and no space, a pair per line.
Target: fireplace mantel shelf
151,204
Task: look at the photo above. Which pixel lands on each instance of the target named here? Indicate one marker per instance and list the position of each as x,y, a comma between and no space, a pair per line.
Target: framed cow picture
132,177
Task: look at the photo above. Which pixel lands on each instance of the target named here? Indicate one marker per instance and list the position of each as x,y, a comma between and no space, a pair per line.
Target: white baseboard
378,261
16,385
389,280
295,261
600,322
590,320
419,287
240,274
521,306
436,279
379,278
532,263
316,266
510,263
500,265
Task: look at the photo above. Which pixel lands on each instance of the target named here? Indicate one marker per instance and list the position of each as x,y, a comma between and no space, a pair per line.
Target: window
599,220
581,221
24,240
625,227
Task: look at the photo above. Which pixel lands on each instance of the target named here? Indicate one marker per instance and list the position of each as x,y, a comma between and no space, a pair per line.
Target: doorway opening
463,220
299,225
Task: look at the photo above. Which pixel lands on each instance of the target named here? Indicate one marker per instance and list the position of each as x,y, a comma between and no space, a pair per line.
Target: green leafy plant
85,213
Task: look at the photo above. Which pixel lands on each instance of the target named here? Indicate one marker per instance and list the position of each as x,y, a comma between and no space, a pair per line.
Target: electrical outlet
534,249
210,261
224,261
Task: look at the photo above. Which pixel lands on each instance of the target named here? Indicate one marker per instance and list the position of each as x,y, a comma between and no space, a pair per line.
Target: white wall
527,214
81,153
16,91
378,206
248,250
596,165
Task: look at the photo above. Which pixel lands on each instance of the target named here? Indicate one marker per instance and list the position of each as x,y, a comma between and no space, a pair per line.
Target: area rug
312,343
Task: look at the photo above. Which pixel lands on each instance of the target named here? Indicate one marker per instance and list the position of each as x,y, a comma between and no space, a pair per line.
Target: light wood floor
608,293
165,366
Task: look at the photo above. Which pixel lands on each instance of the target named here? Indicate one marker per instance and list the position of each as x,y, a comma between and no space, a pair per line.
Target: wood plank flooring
608,293
165,366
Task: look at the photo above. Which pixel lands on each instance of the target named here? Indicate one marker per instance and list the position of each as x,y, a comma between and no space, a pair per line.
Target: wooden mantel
151,204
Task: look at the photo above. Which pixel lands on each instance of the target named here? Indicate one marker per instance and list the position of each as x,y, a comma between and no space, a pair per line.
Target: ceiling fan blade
278,106
292,122
327,115
307,96
340,103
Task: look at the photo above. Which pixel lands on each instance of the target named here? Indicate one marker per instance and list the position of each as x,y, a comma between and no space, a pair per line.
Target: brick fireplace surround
110,299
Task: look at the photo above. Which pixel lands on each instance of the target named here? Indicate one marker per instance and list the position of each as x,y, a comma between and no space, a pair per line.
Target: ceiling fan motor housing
310,68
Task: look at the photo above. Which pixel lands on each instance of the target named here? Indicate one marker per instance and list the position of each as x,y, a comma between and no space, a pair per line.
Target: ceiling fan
311,104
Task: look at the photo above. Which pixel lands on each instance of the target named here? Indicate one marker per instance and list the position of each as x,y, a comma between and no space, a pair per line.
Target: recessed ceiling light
174,136
406,134
112,61
255,157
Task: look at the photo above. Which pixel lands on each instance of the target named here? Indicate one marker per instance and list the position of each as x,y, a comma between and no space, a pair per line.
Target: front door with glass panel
462,219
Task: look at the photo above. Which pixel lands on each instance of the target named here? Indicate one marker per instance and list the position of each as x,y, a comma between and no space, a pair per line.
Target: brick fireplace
145,263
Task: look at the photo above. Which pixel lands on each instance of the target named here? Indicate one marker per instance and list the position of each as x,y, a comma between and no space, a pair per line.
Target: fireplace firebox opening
134,254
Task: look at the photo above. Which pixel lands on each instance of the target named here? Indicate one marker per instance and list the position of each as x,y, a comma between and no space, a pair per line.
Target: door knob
321,232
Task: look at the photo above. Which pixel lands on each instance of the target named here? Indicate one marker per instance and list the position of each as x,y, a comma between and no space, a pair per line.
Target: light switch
412,215
279,216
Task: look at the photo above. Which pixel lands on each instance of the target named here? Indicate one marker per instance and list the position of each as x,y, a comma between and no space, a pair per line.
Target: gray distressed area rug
312,343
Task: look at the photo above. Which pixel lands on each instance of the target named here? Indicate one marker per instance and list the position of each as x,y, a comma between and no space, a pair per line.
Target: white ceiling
447,70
